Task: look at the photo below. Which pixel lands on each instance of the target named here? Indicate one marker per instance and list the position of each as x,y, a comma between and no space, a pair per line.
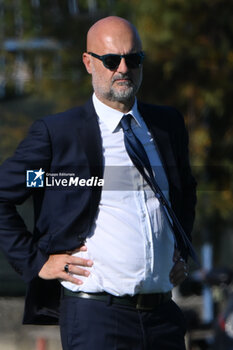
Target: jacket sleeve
16,241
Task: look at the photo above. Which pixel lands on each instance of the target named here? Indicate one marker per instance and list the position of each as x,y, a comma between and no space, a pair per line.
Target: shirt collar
111,117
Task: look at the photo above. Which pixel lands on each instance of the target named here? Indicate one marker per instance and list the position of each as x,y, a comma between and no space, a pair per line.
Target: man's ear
87,62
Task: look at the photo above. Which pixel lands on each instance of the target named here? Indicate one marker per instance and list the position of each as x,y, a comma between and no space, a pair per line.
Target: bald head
117,77
109,31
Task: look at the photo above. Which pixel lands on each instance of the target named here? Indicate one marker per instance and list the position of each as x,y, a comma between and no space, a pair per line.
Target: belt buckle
140,306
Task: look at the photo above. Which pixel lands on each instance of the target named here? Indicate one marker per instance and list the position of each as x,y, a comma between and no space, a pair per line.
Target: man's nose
122,68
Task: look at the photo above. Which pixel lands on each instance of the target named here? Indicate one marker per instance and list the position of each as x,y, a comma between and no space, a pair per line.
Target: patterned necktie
141,161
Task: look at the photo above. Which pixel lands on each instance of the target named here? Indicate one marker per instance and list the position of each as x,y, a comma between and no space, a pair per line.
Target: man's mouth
123,81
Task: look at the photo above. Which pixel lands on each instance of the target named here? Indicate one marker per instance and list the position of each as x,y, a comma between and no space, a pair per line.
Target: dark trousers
97,325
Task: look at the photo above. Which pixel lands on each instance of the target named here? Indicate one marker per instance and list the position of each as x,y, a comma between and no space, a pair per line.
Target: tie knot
126,122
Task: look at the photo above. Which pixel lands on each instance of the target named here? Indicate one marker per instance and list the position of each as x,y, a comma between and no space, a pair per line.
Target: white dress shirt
130,243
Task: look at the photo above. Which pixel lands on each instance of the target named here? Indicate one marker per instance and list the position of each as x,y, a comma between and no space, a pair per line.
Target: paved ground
15,336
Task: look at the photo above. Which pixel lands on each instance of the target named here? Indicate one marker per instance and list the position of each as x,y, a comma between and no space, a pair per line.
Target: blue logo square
35,178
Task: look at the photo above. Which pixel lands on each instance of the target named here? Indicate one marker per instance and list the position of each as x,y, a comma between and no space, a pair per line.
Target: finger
75,260
69,278
83,248
78,271
71,272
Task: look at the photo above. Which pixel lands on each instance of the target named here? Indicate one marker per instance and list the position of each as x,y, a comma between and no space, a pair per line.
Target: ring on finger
66,268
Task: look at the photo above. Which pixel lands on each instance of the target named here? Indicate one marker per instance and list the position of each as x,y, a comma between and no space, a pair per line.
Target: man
113,251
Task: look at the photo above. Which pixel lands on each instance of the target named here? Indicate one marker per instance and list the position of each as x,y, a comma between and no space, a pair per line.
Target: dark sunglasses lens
133,60
111,61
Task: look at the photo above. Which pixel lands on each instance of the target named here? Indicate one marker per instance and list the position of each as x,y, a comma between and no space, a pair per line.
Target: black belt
138,301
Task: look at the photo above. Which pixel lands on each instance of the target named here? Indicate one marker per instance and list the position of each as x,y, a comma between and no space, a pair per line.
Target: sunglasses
112,61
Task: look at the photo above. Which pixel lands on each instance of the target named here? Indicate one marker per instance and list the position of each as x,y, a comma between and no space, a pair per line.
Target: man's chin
123,94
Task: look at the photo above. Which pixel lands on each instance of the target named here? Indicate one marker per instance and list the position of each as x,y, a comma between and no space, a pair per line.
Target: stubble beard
116,94
127,93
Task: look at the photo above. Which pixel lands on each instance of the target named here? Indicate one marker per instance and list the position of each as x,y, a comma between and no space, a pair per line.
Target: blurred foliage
189,47
189,64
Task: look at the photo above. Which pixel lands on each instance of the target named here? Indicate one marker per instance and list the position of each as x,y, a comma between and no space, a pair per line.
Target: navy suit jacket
71,141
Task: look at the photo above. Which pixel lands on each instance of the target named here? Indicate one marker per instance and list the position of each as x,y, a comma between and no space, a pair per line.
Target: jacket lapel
162,138
92,141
